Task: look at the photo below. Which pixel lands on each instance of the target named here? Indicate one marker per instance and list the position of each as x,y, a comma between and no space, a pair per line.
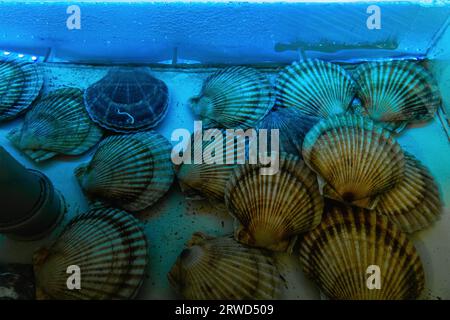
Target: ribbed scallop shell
20,84
273,209
110,248
222,269
208,178
127,99
57,124
356,159
233,97
316,88
131,172
396,93
292,127
414,203
337,254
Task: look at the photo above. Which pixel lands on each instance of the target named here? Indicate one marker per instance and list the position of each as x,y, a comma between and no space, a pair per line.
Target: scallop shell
316,88
20,84
57,124
414,203
395,93
131,172
110,248
205,179
273,209
234,97
127,99
292,127
356,159
208,178
222,269
338,253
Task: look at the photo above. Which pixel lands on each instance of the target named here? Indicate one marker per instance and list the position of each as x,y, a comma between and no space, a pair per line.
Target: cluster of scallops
345,197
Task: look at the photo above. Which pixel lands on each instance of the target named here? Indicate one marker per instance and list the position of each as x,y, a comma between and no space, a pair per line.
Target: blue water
231,32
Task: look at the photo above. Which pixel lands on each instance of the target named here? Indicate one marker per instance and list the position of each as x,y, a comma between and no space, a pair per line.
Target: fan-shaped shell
209,177
356,159
127,99
234,97
292,127
338,253
131,172
110,248
395,93
316,88
414,203
206,179
20,84
57,124
273,209
222,269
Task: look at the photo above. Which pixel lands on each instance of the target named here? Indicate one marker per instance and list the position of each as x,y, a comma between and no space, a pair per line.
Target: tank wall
219,32
440,55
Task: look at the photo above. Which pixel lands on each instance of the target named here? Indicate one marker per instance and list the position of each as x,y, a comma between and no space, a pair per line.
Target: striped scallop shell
209,177
127,100
273,209
222,269
356,159
110,248
292,127
338,253
131,172
233,97
20,84
205,179
414,203
57,124
316,88
396,93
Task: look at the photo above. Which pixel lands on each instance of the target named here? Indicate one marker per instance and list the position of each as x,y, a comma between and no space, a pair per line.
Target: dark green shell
20,84
292,127
127,100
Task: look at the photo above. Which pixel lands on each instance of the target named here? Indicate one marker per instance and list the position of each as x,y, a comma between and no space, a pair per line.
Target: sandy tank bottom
172,221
